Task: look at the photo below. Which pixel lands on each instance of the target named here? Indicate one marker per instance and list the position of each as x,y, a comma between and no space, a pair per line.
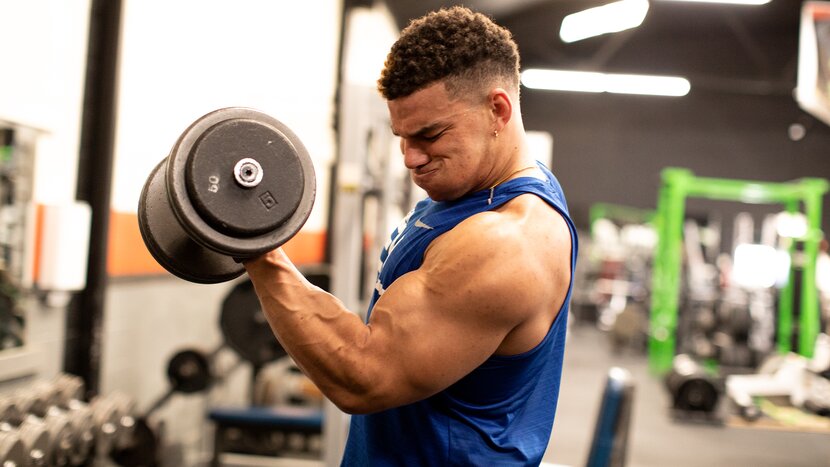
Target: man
460,358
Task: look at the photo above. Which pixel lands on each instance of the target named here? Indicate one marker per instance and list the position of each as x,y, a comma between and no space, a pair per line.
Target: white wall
44,46
181,59
41,84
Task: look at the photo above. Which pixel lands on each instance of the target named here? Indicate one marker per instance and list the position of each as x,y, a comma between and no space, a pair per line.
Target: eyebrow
442,123
423,131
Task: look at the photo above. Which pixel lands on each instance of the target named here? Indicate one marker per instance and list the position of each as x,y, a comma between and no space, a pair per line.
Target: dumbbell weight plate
36,439
224,173
205,195
12,449
142,448
189,371
244,326
170,246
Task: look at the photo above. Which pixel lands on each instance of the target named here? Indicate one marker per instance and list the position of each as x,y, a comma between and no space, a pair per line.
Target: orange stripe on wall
38,239
128,256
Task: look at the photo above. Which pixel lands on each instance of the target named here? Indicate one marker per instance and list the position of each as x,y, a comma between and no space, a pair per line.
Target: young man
460,359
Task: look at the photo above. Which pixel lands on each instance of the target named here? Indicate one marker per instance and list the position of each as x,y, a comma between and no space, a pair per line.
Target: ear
501,106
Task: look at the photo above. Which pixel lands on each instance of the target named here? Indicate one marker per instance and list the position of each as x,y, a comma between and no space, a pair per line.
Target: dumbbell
190,371
42,395
692,388
12,449
31,431
114,417
58,403
13,408
61,435
36,438
236,184
245,329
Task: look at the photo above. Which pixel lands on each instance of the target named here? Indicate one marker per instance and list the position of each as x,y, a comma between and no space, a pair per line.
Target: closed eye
433,137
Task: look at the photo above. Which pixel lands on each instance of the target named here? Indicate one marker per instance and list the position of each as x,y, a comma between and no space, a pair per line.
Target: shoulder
521,241
523,221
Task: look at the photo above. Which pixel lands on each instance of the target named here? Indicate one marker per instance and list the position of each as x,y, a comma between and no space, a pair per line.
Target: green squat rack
678,185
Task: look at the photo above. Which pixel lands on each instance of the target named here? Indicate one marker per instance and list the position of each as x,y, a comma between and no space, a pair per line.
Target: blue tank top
502,412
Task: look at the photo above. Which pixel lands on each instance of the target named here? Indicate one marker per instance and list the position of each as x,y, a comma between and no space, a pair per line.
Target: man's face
446,143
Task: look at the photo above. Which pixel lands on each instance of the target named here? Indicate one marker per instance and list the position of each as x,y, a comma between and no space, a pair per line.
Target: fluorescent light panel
760,266
579,81
731,2
613,17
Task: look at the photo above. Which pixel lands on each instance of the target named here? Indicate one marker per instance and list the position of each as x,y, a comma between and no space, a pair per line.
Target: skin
468,301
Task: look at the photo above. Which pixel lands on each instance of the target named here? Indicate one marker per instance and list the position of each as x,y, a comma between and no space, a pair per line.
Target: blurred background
691,138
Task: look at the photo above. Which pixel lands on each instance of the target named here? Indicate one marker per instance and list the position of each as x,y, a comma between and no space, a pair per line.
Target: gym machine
284,418
680,184
730,326
614,274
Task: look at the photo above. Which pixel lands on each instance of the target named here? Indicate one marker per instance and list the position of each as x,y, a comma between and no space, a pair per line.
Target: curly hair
466,50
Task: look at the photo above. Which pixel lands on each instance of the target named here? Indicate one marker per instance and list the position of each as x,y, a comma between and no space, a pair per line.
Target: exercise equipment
680,184
55,427
609,445
189,371
245,329
141,448
115,418
282,383
236,184
36,439
62,438
267,431
12,450
695,392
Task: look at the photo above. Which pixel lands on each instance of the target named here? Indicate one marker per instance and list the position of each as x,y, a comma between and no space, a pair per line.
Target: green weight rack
679,184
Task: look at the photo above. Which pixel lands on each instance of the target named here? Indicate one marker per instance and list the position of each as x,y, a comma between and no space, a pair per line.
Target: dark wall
611,148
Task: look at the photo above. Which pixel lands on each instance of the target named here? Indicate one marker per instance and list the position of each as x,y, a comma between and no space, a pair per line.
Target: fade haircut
466,50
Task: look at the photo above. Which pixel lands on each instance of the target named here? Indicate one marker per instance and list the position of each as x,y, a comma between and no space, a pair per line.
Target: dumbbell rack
49,424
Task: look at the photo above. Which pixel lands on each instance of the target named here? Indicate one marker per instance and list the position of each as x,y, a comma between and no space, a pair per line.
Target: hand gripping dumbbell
236,184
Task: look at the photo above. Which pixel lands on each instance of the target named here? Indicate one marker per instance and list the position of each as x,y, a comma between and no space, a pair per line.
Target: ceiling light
731,2
613,17
760,266
579,81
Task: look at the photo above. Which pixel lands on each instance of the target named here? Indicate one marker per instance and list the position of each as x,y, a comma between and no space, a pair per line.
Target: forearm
324,338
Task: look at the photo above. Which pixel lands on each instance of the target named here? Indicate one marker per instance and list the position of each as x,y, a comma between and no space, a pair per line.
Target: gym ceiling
740,49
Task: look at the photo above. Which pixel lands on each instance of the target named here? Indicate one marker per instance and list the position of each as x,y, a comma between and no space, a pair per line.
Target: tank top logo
394,240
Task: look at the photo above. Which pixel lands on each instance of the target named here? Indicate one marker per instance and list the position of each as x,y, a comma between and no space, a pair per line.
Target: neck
513,174
512,148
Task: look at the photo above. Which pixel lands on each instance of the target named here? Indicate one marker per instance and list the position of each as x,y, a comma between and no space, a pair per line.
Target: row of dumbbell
49,424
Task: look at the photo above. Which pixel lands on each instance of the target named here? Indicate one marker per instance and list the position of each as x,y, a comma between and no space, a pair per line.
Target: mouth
422,174
421,171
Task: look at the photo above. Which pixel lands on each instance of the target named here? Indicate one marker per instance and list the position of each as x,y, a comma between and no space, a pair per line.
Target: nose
414,156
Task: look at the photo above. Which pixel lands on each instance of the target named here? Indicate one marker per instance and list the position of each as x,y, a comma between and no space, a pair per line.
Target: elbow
362,398
353,406
375,394
355,402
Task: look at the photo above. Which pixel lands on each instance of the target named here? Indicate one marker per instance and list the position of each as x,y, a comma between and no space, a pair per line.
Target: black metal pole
83,337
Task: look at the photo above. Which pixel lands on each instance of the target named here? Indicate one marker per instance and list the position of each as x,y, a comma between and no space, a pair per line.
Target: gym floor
655,440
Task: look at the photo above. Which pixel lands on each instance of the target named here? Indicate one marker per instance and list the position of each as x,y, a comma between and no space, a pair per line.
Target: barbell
236,184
